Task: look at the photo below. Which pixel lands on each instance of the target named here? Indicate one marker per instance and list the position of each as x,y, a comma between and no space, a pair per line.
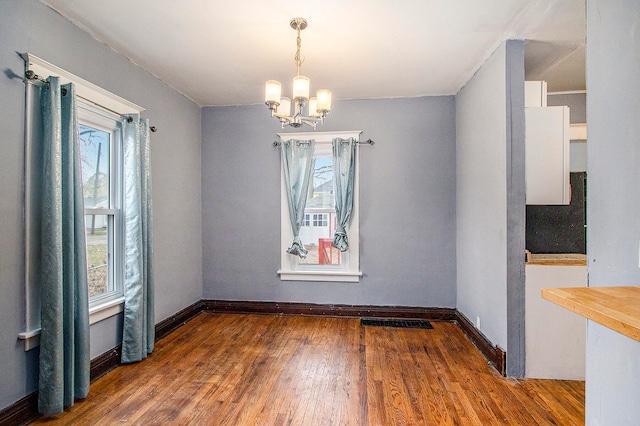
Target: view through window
96,153
320,221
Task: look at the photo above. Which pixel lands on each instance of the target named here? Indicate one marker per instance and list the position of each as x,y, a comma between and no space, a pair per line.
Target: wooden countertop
562,259
617,308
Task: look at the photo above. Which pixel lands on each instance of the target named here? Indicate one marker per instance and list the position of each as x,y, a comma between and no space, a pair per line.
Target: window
98,115
323,262
321,219
101,158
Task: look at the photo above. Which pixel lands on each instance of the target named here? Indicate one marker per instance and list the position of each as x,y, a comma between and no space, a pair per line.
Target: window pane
317,233
94,153
98,253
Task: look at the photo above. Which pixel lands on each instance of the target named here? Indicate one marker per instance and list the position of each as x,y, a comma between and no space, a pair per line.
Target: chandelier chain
298,59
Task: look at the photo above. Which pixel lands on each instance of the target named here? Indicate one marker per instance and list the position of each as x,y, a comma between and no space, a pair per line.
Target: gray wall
490,201
28,26
407,205
613,232
577,103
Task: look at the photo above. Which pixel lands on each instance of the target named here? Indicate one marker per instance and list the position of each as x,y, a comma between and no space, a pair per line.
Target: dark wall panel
559,229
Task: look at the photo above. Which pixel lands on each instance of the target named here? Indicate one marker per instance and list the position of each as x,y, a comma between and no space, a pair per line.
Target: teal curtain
138,333
297,166
64,338
344,171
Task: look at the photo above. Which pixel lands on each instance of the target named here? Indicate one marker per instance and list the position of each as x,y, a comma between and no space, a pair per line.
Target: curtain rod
152,128
32,76
367,142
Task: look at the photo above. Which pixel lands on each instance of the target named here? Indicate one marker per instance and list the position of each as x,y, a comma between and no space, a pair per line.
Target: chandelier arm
310,123
282,116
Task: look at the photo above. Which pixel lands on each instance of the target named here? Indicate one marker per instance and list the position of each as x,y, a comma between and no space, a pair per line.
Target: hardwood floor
233,369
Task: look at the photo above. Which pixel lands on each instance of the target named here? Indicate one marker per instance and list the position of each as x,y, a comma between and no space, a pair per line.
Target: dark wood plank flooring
233,369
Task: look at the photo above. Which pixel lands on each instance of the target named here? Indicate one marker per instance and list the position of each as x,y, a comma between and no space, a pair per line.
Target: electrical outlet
478,322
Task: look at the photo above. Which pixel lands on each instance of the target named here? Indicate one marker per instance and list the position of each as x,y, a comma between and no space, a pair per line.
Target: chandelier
280,106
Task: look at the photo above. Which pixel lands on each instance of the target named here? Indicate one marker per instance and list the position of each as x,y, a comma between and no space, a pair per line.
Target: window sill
105,310
97,313
329,276
31,339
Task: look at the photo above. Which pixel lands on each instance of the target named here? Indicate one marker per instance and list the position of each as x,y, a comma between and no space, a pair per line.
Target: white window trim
102,99
289,269
84,89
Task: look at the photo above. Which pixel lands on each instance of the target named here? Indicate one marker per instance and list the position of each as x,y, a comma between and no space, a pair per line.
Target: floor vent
398,323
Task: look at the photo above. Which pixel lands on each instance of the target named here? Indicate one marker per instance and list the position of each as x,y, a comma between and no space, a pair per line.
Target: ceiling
221,52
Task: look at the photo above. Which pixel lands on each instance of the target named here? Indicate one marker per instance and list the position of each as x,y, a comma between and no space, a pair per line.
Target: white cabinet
547,155
555,338
535,93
